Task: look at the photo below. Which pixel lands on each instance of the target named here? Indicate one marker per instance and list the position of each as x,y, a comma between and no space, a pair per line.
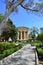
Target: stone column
21,35
27,35
24,35
18,36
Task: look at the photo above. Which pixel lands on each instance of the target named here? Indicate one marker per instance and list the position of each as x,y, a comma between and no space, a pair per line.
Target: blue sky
22,18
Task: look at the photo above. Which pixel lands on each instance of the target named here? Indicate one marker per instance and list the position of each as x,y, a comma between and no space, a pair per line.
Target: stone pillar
24,35
21,35
18,36
27,35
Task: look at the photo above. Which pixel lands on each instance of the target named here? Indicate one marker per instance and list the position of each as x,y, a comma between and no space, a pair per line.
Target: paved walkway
25,56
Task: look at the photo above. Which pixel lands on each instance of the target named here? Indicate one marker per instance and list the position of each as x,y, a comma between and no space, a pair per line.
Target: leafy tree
29,5
34,32
9,31
40,37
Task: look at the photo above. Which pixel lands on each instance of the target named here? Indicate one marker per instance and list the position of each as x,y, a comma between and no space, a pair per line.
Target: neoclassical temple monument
22,33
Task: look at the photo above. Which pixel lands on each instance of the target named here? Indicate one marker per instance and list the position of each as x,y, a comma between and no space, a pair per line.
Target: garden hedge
7,48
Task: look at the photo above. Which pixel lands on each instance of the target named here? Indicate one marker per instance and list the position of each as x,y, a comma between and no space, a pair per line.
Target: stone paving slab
25,56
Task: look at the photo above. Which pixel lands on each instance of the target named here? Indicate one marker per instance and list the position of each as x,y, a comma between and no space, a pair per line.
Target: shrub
6,45
20,46
8,52
40,51
7,48
17,48
1,56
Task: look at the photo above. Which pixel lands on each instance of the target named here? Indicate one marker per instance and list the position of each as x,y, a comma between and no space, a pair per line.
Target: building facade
22,33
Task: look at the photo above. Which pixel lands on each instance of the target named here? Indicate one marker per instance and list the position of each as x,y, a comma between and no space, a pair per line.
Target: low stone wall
36,58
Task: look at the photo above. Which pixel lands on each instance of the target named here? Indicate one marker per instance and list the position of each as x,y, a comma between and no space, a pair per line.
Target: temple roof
23,28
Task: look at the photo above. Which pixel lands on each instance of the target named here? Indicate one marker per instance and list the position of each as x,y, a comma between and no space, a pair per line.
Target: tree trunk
7,13
5,20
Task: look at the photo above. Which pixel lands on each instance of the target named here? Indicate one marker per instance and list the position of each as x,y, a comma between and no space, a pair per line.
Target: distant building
41,29
22,33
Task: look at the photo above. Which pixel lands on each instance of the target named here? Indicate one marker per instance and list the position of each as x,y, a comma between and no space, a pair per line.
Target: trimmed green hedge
6,45
40,53
7,48
6,53
39,49
36,43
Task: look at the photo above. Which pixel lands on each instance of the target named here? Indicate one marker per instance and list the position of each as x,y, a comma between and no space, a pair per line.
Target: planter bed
40,53
7,48
39,49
